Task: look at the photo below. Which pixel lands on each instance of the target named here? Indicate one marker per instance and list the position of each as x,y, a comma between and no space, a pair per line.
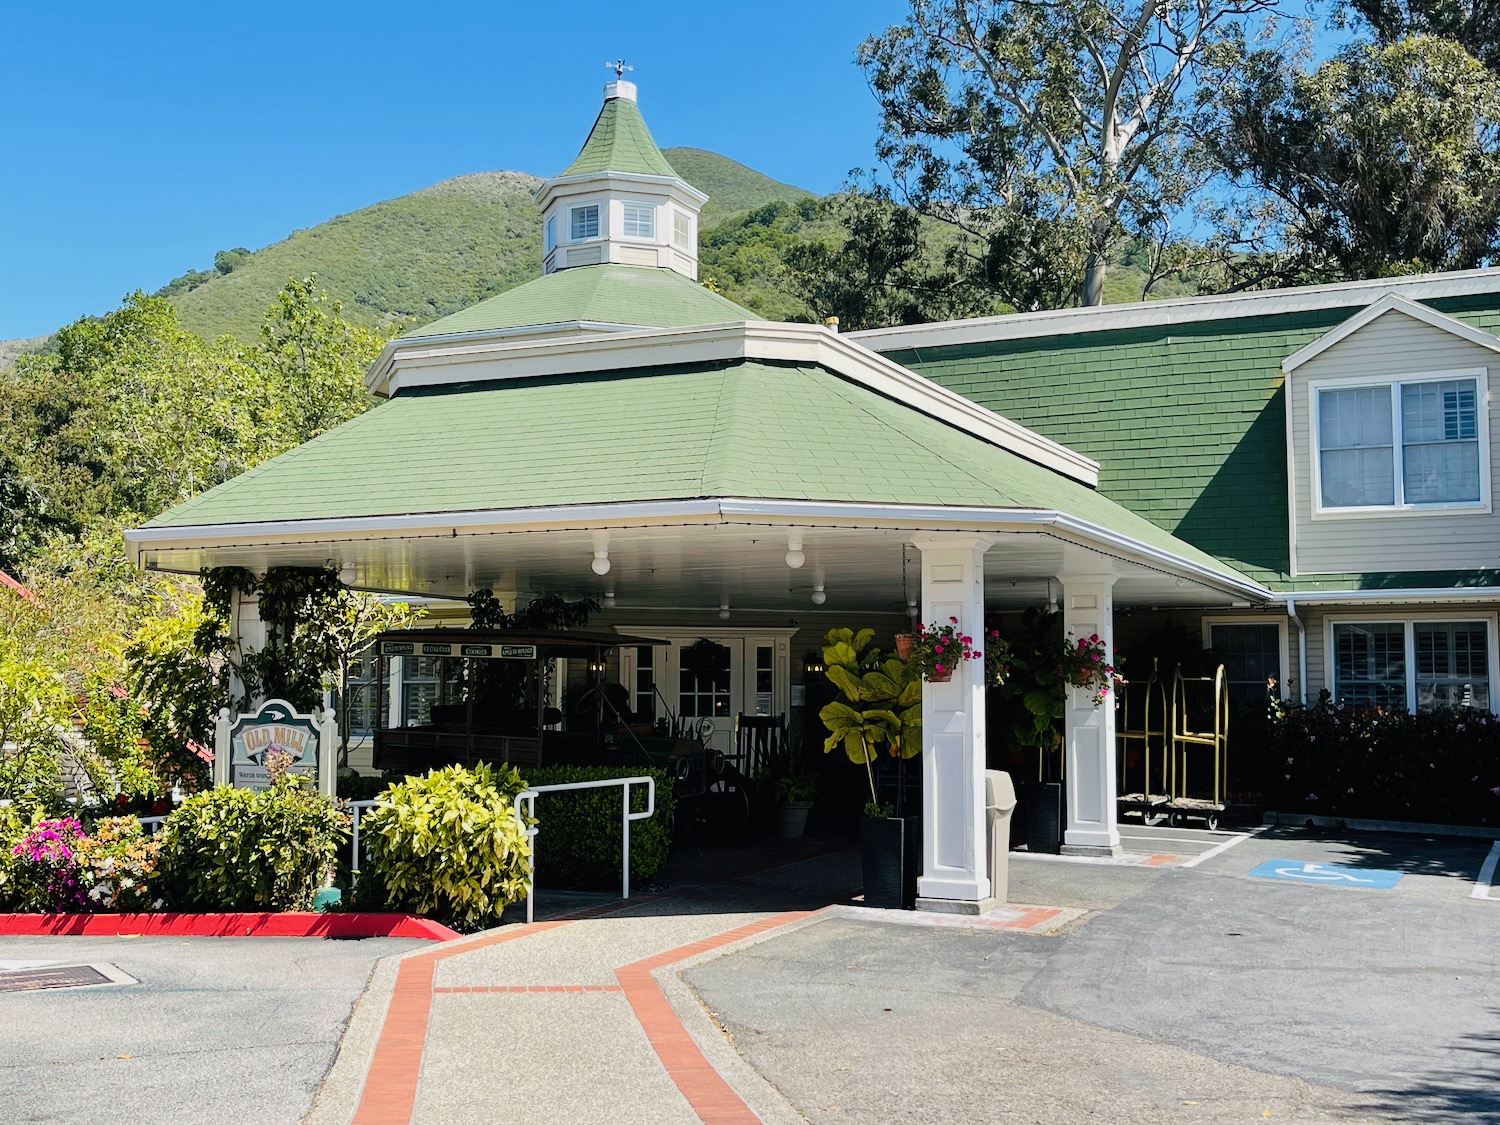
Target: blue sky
137,140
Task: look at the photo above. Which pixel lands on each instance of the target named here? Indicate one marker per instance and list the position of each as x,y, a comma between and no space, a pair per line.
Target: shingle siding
1187,421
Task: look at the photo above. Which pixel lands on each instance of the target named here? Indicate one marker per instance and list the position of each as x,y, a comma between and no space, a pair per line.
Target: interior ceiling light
724,611
601,560
609,599
794,555
911,608
818,596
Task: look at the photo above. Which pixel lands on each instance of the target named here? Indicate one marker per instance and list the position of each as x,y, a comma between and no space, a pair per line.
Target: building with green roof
614,430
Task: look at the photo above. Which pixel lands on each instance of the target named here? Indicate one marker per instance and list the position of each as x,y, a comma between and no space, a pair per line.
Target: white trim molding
1182,310
487,357
1391,302
1440,595
144,541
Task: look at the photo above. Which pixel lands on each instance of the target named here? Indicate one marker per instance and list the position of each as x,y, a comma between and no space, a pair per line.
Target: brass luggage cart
1142,729
1200,735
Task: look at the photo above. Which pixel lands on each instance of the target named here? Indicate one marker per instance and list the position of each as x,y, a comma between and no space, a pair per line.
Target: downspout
1291,611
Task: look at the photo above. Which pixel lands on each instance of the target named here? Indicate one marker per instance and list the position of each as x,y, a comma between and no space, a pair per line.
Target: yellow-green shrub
449,846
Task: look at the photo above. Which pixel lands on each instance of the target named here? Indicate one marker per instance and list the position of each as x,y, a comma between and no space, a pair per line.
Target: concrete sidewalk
585,1017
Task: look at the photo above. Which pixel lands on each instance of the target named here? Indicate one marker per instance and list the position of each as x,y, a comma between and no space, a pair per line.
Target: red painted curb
299,924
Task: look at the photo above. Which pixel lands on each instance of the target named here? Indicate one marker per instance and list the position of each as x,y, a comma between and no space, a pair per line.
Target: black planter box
1041,804
890,857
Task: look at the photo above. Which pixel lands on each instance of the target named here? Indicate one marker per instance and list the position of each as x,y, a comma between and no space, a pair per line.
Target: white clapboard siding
1392,345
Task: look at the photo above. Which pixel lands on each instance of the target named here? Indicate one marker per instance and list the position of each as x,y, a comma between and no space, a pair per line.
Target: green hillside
732,188
431,253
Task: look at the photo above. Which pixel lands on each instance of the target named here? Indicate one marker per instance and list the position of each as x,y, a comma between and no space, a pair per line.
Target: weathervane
619,67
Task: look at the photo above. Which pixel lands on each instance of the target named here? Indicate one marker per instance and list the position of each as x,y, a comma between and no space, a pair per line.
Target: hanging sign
479,652
245,745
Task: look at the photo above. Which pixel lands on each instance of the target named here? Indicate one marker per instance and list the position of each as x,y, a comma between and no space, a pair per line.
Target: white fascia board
1439,595
438,361
1179,310
679,513
589,182
1390,303
423,347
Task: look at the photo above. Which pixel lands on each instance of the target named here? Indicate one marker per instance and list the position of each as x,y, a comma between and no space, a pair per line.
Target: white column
248,635
1089,765
953,751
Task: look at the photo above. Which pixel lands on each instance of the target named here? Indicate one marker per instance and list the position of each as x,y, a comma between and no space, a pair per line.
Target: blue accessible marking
1328,874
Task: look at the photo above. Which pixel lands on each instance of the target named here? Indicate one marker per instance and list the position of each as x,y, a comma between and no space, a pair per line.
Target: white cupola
620,201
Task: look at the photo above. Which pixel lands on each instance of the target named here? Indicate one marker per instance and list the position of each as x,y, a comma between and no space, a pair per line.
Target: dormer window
1407,444
640,220
583,222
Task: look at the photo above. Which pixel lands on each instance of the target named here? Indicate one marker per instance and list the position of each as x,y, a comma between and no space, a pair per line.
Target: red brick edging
389,1096
289,924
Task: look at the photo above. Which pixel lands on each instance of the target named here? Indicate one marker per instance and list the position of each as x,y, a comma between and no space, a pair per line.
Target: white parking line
1218,849
1485,883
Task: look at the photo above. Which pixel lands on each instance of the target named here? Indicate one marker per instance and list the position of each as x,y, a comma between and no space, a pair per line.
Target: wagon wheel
1212,821
1176,819
1152,819
724,811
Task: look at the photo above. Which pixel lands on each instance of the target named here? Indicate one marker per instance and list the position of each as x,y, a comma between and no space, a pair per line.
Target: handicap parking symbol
1328,874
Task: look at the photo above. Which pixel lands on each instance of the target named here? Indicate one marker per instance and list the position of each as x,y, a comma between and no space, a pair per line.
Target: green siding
620,142
1187,421
606,294
752,430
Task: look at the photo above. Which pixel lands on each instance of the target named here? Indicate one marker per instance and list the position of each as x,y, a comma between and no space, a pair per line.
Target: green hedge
578,845
1440,767
238,849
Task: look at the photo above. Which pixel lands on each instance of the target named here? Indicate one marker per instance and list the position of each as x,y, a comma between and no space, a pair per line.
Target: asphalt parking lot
1202,993
232,1030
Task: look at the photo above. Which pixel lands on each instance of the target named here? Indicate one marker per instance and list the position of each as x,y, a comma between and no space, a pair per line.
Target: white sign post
241,746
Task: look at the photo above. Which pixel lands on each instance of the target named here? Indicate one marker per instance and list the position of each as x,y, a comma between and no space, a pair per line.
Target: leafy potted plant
879,709
794,800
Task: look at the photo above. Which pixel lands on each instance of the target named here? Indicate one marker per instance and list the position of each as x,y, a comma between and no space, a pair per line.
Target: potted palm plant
879,711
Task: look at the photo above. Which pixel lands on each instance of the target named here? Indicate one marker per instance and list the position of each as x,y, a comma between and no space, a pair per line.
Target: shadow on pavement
1452,856
757,876
1453,1095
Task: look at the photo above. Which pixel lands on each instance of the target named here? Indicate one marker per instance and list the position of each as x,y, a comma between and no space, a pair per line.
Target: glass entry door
712,681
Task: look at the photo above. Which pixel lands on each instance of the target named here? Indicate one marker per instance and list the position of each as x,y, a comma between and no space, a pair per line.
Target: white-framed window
1253,652
640,220
682,230
1414,444
1412,664
551,237
583,222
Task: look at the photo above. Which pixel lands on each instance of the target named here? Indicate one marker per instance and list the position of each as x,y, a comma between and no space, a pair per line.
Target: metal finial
619,67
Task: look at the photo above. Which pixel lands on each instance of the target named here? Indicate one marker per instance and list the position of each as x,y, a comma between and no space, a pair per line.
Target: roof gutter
1438,595
656,513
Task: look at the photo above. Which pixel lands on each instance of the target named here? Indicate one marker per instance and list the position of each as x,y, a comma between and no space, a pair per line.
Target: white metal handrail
151,824
356,808
529,795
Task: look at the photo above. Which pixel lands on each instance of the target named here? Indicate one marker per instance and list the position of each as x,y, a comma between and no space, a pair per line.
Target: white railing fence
524,807
528,798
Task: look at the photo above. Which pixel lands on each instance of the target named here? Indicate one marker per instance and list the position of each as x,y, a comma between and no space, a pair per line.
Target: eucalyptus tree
1382,160
1473,24
1049,132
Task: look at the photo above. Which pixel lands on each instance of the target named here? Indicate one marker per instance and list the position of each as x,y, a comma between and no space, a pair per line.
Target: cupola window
583,222
640,220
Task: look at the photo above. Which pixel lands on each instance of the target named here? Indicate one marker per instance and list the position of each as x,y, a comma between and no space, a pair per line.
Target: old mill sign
245,745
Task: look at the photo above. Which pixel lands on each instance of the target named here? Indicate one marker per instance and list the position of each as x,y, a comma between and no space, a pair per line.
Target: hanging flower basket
939,649
1083,666
906,644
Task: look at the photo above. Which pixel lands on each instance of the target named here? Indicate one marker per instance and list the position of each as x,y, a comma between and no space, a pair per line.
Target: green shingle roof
1187,420
608,294
750,429
620,142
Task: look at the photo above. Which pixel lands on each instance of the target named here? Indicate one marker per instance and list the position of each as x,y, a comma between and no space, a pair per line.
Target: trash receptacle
999,804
